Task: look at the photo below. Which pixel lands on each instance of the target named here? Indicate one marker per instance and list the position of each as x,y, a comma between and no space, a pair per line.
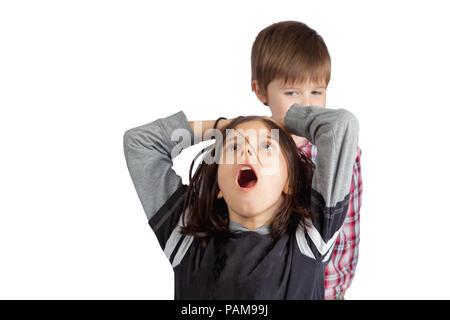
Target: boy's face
280,98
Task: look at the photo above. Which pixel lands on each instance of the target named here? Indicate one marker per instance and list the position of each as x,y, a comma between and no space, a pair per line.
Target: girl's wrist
217,122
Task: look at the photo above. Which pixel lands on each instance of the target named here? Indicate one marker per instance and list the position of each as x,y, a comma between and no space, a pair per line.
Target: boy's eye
292,93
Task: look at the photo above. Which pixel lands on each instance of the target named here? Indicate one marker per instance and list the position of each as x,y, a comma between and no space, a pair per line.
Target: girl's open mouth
247,177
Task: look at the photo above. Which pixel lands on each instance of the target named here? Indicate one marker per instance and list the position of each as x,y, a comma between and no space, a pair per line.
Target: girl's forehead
255,124
250,129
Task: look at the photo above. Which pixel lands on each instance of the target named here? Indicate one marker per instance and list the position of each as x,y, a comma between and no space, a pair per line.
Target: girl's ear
287,189
220,195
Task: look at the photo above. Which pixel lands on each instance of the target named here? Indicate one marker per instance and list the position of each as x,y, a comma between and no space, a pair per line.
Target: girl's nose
247,152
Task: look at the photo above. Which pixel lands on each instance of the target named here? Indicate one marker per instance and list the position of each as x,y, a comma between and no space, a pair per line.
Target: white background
75,75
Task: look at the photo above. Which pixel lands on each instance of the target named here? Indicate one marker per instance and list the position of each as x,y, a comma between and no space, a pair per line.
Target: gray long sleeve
148,152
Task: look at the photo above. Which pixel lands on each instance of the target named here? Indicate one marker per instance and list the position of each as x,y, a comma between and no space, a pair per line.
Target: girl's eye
267,146
232,147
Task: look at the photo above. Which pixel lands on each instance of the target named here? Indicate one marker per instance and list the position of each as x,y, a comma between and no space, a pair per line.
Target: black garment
256,266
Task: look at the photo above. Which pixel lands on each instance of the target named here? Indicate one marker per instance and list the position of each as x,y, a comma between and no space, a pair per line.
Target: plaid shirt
341,268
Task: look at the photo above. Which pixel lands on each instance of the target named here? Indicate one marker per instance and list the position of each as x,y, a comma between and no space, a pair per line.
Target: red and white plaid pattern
341,268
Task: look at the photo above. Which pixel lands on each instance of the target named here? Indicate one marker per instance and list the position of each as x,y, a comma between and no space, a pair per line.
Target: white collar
237,227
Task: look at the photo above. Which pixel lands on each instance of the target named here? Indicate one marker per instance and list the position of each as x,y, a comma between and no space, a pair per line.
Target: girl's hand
223,122
278,121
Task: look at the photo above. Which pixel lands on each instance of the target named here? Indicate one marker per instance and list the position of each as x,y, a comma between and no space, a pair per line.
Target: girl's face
252,174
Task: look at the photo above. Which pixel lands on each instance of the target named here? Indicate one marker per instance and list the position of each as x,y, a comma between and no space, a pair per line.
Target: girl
261,226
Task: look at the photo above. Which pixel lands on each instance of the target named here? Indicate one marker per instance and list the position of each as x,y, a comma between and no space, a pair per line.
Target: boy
290,64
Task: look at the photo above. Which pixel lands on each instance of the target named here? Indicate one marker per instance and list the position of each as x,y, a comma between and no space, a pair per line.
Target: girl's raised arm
335,133
149,150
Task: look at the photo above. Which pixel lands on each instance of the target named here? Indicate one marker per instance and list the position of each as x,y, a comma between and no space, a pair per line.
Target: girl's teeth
246,168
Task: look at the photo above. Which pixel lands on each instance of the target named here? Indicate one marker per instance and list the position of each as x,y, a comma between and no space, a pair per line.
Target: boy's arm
335,134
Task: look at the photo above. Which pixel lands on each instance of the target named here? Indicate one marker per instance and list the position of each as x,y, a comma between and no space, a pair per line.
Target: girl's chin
249,213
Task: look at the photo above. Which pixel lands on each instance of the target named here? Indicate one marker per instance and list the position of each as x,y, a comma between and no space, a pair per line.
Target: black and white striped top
257,267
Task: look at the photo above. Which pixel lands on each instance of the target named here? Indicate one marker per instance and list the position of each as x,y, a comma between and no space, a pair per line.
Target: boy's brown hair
291,51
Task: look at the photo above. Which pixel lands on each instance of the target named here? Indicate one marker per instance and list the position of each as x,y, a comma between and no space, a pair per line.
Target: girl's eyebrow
231,138
268,136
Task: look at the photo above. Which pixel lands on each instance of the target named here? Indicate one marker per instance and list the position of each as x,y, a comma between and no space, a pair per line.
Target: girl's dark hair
206,217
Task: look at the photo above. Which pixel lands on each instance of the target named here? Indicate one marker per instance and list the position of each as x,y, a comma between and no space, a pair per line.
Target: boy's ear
220,195
255,88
